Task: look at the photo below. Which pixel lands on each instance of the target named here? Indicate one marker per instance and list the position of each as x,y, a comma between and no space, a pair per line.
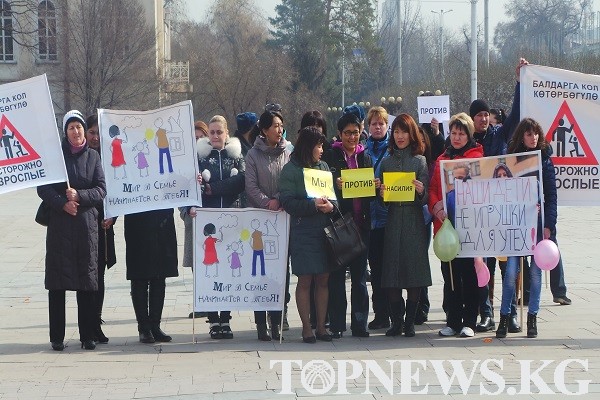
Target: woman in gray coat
72,235
264,163
405,259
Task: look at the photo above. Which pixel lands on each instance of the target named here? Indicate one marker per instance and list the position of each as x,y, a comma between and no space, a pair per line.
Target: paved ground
241,368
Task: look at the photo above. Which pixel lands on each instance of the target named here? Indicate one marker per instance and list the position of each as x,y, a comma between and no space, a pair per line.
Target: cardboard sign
318,184
358,182
399,186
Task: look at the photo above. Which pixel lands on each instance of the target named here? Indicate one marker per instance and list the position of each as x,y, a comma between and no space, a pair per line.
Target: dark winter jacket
106,240
72,241
226,170
377,151
307,238
550,196
496,138
151,245
336,160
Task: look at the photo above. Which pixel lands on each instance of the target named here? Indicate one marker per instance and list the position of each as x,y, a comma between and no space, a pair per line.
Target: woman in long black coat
72,235
151,257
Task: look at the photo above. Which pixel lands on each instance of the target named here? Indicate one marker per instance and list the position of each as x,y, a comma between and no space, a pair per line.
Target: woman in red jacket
462,302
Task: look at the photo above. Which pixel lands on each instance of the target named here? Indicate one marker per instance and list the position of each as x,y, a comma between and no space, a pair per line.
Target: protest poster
493,203
318,184
240,259
399,186
358,182
149,159
566,105
430,107
30,146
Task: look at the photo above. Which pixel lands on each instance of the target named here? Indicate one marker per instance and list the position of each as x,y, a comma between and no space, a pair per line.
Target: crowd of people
257,167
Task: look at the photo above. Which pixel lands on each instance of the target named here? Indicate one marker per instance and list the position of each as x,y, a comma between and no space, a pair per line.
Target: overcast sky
454,20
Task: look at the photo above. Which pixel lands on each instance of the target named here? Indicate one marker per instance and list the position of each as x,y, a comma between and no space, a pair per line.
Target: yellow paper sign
318,183
398,186
358,183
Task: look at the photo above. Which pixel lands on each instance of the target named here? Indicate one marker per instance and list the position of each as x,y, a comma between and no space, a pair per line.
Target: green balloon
446,243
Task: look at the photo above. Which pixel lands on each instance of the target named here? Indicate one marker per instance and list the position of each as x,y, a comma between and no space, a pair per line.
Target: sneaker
226,332
467,332
562,300
447,331
215,331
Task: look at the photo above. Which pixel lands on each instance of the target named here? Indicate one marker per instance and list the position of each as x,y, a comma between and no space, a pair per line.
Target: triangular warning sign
14,149
568,141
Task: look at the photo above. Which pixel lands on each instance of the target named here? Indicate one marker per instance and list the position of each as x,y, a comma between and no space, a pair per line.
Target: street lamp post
392,104
441,14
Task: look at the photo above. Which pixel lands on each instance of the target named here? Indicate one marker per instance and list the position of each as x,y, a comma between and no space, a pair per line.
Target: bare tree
111,59
231,67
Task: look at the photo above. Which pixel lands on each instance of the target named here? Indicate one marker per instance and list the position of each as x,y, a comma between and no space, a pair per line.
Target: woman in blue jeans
529,136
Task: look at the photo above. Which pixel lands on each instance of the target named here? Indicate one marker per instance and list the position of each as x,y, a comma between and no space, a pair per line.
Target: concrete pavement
241,368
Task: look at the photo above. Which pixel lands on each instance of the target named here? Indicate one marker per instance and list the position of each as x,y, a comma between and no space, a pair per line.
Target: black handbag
42,216
344,243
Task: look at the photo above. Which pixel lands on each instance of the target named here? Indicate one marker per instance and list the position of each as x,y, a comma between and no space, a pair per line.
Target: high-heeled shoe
99,336
88,344
58,346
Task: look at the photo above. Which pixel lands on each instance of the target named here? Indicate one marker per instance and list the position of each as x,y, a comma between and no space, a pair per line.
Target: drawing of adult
307,237
151,257
106,237
560,136
162,142
349,153
5,142
264,163
222,168
116,148
72,234
462,302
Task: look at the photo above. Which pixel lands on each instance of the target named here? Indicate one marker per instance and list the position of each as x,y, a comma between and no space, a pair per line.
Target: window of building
47,31
6,35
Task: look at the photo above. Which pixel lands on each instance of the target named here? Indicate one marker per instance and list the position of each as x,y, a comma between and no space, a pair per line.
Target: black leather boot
513,325
502,326
397,315
409,321
155,308
263,334
531,326
139,298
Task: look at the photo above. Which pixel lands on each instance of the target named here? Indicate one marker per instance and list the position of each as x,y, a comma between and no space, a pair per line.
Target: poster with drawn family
494,203
149,159
30,146
240,259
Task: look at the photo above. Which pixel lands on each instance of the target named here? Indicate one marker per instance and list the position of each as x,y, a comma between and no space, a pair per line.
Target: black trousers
86,314
462,302
378,296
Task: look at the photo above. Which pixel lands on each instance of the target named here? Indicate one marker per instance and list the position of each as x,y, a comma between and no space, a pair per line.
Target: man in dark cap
245,122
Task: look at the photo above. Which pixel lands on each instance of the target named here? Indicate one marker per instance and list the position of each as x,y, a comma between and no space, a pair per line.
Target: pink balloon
546,255
483,273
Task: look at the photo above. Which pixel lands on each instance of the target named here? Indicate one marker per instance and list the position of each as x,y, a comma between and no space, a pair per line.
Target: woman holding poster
529,136
348,153
264,163
72,235
222,168
462,302
307,237
405,259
